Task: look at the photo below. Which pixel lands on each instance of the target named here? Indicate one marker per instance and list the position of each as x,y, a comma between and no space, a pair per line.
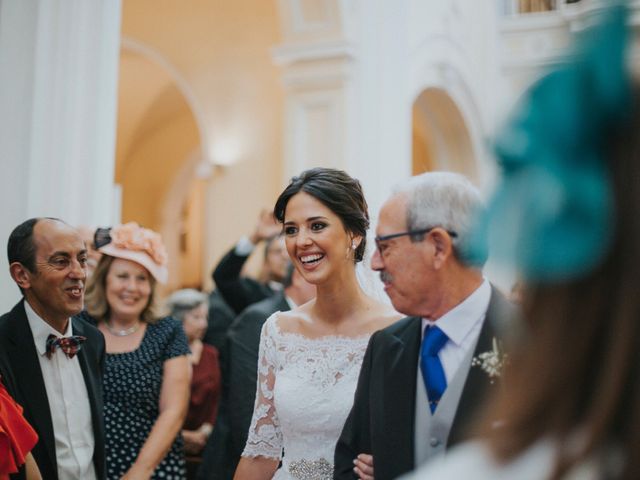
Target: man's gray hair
442,199
182,301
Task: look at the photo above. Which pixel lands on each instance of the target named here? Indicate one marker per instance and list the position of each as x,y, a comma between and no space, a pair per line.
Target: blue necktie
430,365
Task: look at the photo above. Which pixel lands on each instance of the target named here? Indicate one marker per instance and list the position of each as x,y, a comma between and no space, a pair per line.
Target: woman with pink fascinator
147,371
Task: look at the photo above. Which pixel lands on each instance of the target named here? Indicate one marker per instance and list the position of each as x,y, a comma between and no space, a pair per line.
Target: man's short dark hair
21,247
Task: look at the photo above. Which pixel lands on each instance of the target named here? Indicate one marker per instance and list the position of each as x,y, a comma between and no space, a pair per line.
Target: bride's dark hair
336,190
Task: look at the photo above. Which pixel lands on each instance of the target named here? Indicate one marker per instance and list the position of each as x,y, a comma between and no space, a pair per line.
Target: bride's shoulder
383,315
290,321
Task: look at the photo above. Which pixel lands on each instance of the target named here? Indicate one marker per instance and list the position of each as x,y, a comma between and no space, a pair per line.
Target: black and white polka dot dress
132,384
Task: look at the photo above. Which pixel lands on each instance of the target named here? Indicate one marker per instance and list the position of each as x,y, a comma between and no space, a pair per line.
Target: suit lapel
90,377
93,382
29,380
401,363
478,383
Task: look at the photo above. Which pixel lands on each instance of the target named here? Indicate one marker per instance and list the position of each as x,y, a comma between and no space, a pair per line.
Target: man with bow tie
419,389
56,360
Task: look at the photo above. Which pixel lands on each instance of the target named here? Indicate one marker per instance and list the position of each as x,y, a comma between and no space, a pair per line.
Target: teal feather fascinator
552,213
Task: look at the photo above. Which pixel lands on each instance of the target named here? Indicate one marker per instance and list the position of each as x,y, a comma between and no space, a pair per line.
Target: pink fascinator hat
132,242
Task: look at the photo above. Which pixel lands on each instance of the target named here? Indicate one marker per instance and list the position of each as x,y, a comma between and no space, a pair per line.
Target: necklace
125,332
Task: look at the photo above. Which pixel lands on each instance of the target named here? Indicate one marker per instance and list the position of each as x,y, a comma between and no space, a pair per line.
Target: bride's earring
353,245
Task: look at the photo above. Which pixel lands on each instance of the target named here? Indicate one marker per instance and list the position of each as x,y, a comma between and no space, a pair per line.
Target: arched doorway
440,136
157,156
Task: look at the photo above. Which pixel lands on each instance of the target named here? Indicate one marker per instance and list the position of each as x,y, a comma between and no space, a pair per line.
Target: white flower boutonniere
492,362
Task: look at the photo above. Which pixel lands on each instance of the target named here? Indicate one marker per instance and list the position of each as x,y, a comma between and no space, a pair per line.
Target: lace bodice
304,394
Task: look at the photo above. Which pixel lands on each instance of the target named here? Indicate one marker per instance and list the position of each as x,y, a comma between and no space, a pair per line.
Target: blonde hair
95,299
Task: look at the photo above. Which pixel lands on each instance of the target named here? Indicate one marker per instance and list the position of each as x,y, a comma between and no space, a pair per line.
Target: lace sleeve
265,437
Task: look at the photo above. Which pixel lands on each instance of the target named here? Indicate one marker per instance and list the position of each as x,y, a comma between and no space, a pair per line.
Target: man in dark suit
418,390
240,291
219,319
56,361
223,451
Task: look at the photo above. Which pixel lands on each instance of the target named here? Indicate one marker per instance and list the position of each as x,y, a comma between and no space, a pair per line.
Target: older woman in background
191,307
147,373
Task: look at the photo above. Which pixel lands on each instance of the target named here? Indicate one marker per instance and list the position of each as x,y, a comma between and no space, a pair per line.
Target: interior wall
190,235
220,52
422,148
151,165
443,134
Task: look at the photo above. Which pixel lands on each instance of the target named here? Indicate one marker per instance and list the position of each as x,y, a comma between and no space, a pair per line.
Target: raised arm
229,282
240,292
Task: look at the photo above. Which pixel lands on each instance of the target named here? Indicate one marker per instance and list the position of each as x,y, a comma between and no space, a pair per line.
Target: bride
310,357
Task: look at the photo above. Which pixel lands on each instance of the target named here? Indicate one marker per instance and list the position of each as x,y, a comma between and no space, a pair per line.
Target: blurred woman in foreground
571,161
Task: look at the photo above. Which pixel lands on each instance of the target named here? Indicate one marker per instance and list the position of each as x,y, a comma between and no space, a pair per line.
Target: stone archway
158,154
440,136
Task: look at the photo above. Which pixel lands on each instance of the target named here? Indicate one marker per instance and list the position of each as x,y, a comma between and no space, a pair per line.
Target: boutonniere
492,362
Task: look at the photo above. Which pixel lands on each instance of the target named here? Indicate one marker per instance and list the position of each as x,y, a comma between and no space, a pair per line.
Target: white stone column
381,147
345,67
58,99
316,60
345,70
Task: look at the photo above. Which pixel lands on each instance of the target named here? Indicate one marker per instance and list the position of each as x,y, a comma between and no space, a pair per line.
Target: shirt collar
41,329
458,322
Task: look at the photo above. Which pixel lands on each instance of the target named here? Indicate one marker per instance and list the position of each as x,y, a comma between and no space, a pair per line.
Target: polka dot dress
132,384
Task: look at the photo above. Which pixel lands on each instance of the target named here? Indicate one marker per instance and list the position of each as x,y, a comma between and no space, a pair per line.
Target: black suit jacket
226,443
244,343
239,292
219,319
382,420
27,385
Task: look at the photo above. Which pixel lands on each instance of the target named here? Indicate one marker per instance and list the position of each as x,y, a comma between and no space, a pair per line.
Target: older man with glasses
424,377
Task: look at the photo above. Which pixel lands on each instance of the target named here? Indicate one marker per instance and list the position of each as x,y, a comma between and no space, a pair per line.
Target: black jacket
26,386
382,420
226,443
239,292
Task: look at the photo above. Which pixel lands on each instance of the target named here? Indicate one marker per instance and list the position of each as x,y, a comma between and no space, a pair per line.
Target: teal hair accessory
552,214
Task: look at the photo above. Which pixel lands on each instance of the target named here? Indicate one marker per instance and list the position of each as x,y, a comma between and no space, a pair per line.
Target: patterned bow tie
69,345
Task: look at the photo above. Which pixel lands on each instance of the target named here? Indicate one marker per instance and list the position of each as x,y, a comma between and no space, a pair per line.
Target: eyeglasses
383,238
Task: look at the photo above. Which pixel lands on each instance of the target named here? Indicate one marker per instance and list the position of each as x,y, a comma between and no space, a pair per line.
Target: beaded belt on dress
311,469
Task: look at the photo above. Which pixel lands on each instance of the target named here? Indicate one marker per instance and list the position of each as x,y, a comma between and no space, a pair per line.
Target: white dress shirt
462,325
244,247
68,403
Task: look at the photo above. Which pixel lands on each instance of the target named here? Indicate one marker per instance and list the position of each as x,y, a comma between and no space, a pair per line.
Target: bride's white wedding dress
304,394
